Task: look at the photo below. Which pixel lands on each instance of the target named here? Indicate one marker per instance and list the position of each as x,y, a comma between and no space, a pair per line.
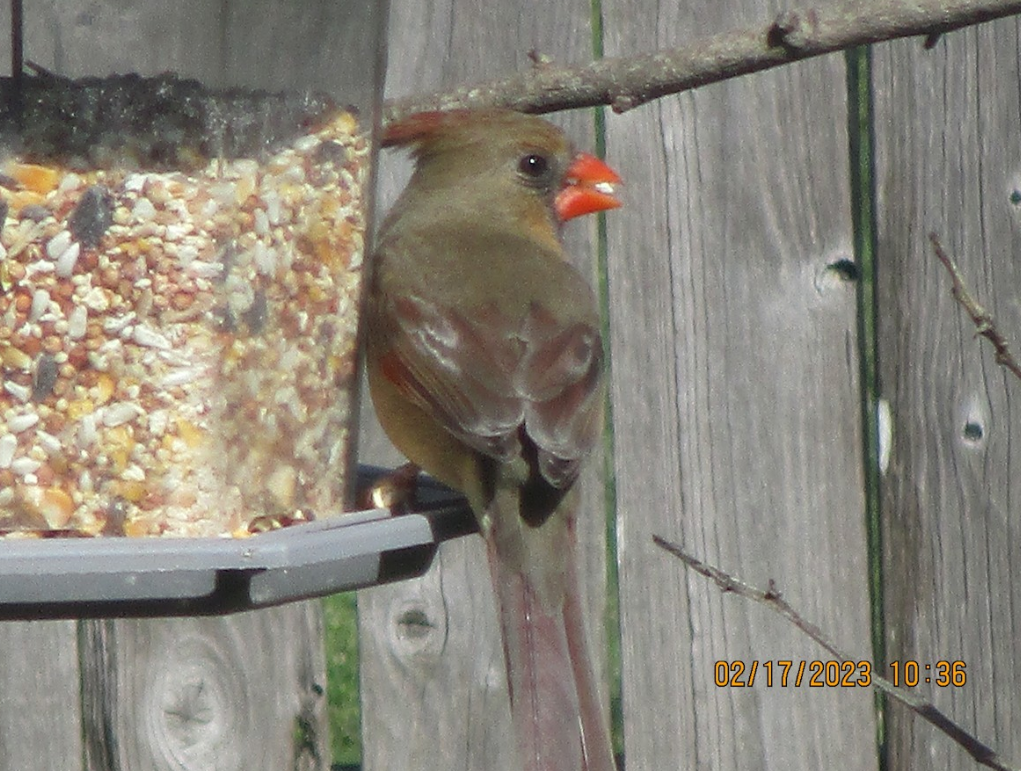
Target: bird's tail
555,703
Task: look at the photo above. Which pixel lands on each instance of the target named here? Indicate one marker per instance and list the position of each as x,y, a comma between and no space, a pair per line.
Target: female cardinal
485,366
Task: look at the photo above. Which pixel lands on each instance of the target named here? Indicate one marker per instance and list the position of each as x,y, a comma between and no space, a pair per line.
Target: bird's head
501,159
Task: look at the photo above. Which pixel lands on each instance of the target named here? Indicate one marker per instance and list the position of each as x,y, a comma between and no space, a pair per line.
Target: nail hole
973,431
1015,197
846,269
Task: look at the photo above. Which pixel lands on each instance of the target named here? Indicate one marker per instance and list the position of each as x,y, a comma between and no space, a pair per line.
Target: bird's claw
395,491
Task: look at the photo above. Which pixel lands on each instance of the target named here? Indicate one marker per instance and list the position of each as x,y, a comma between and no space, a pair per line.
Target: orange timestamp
834,674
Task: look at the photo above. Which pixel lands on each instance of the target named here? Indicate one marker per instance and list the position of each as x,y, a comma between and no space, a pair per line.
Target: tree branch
626,83
772,599
980,317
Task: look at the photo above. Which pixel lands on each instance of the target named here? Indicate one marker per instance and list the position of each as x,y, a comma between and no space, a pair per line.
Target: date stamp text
835,674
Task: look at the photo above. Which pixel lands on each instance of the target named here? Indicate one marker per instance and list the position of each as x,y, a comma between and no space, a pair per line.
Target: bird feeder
185,194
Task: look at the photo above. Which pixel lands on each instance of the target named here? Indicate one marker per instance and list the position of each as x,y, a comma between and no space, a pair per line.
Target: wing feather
493,381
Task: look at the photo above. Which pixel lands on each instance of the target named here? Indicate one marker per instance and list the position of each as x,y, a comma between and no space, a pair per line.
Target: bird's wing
560,377
502,385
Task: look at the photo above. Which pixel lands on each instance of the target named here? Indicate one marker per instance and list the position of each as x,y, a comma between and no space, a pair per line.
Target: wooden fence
737,425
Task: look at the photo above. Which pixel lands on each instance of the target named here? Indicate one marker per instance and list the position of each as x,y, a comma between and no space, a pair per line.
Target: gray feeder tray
125,577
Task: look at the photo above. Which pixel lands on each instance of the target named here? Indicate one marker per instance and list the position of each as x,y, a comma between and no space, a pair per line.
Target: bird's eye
533,165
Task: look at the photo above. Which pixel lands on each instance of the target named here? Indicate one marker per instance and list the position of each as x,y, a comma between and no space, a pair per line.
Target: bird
485,365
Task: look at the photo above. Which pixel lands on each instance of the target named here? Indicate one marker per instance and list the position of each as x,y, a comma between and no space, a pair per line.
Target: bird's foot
395,491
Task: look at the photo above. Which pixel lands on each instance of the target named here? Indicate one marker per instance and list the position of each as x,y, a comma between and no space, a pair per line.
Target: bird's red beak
588,188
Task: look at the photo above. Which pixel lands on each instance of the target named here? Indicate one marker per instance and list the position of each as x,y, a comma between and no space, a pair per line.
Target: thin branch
772,599
982,319
626,83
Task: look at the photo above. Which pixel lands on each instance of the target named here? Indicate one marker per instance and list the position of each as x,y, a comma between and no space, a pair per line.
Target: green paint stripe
861,132
612,616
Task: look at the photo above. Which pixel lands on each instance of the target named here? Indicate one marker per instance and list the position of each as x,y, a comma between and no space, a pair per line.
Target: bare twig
625,83
983,319
771,598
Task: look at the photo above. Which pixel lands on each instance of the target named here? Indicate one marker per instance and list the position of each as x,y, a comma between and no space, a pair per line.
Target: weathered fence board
949,161
736,404
235,693
433,682
40,713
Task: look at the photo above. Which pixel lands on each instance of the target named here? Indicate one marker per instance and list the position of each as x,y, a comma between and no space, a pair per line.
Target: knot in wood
196,707
414,622
418,632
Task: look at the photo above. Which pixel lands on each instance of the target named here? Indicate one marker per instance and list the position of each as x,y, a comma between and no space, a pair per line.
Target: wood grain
40,713
949,160
434,690
736,403
239,692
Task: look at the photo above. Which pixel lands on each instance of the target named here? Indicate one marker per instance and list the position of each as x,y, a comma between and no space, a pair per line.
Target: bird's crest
420,127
